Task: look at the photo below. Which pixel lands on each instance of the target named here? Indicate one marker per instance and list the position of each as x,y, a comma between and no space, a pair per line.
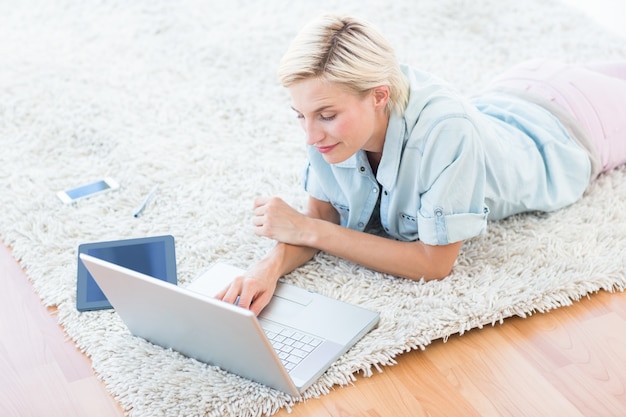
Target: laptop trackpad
280,308
287,301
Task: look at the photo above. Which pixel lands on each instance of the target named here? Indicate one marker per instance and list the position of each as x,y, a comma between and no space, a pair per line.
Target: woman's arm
414,260
301,236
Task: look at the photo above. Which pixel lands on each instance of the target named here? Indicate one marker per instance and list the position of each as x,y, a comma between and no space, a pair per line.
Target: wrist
312,233
271,266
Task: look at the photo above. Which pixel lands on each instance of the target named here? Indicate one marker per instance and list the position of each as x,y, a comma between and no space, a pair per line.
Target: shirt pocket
343,210
407,226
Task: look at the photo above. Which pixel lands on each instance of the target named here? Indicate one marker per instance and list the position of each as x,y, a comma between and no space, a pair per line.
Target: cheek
346,128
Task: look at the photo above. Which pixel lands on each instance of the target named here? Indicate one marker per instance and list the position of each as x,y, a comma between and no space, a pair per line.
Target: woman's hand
253,290
275,219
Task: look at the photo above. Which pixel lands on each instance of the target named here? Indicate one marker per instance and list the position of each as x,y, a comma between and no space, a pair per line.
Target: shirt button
362,169
374,190
361,224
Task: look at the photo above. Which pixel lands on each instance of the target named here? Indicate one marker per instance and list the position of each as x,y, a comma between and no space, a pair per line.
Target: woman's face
339,122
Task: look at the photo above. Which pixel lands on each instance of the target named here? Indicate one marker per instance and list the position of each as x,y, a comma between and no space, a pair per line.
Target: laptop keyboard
290,345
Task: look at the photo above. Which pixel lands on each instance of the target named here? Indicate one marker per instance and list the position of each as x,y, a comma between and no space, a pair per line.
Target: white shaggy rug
183,94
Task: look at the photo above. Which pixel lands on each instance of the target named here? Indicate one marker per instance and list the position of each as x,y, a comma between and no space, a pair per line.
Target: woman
395,150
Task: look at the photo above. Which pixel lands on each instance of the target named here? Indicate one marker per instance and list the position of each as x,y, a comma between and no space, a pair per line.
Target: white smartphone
87,190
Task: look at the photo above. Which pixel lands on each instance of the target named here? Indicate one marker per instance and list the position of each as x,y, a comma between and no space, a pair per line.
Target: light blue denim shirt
449,164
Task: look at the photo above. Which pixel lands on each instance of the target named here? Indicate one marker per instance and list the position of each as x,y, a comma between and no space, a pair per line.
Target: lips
326,149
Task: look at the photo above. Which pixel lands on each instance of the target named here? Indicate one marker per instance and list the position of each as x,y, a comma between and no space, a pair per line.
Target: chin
335,159
337,155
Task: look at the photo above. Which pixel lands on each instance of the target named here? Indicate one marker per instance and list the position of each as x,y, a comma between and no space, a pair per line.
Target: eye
327,118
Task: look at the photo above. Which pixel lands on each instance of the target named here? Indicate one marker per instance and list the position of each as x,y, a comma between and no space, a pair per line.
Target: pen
145,202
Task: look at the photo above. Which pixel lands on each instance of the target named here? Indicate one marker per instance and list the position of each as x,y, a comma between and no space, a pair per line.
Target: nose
313,132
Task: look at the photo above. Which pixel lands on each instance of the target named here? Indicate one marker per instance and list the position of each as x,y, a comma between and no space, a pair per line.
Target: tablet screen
152,256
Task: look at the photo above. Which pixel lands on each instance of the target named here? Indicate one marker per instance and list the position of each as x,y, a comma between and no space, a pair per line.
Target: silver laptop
292,342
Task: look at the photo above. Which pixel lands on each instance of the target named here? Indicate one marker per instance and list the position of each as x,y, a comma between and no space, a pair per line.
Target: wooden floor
41,372
570,362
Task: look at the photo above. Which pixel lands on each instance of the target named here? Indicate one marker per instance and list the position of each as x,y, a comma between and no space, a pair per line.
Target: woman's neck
374,160
374,155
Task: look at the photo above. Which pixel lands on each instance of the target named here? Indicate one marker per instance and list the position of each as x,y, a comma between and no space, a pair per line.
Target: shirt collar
351,162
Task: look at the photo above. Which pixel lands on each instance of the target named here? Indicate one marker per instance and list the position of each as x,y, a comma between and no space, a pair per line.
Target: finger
244,300
259,211
257,221
259,304
220,295
262,231
260,201
230,293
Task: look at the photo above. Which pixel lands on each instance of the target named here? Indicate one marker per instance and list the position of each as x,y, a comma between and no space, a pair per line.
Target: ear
381,96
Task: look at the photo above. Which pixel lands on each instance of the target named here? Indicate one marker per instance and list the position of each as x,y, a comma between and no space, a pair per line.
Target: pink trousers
594,95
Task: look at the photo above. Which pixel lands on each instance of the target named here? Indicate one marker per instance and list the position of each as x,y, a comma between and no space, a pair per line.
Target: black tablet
154,256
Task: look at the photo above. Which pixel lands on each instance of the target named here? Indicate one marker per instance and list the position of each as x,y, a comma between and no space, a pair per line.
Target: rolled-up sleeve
312,184
452,175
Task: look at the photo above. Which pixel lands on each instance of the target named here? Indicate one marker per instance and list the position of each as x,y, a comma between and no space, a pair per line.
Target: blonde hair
348,51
